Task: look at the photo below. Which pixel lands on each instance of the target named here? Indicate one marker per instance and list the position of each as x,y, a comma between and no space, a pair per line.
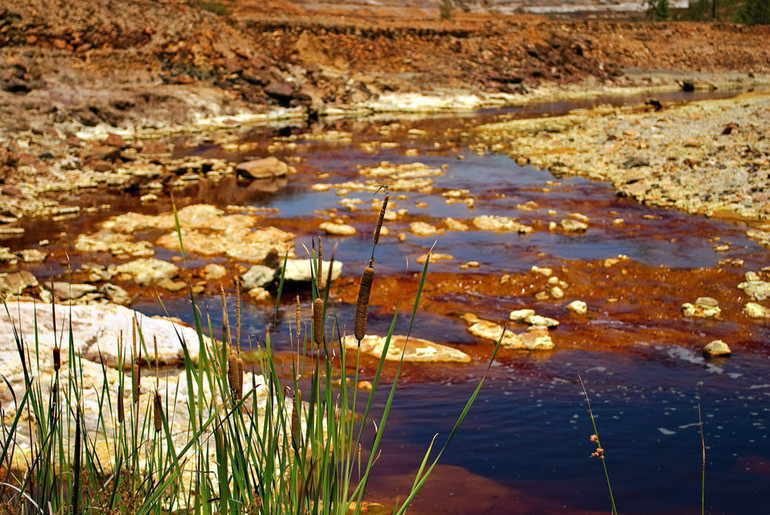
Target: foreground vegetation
217,440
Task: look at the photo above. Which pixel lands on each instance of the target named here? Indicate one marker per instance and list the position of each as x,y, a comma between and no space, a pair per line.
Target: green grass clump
214,439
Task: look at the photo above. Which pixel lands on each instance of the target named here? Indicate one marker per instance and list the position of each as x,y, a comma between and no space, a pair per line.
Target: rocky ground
709,157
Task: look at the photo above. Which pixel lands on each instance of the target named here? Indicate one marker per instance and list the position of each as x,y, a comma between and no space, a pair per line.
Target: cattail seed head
232,374
121,409
136,374
296,411
158,413
362,306
56,358
318,321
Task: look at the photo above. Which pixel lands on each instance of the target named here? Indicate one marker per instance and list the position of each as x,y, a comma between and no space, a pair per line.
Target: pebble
716,348
337,229
578,306
755,310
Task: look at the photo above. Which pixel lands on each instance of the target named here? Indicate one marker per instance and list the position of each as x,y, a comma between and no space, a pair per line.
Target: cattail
121,409
56,358
362,306
136,374
296,411
318,321
158,418
232,374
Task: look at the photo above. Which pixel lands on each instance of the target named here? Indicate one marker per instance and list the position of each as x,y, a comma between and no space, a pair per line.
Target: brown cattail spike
232,374
136,375
318,321
362,306
56,358
295,417
158,415
121,409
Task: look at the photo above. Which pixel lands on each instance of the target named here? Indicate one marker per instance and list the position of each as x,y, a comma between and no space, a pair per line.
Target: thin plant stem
600,450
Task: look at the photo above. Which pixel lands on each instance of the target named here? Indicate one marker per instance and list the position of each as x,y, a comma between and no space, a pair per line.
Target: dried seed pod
318,321
136,374
158,412
362,306
56,358
121,409
296,410
380,220
232,374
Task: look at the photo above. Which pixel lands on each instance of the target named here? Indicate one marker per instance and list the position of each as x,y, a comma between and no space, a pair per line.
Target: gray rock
16,282
258,276
116,294
267,168
66,291
149,271
717,348
298,270
214,271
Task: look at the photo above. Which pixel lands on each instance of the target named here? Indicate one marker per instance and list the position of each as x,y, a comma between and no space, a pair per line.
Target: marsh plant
222,436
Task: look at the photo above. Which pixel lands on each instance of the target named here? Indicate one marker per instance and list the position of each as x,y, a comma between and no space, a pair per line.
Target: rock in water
417,349
716,349
267,168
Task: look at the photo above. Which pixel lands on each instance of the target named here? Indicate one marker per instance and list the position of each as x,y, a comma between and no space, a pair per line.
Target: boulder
337,229
96,331
500,223
67,291
15,283
149,271
258,276
415,350
519,315
267,168
116,294
299,271
214,272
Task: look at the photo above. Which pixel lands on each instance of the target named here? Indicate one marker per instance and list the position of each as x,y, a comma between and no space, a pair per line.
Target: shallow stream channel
525,446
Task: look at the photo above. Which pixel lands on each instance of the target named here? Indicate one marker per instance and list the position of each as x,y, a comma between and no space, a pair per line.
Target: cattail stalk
299,319
136,374
318,321
319,269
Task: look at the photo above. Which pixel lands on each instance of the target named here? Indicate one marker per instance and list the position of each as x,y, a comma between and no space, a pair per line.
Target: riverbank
709,157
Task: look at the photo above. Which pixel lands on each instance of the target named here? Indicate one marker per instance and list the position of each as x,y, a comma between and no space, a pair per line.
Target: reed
235,442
